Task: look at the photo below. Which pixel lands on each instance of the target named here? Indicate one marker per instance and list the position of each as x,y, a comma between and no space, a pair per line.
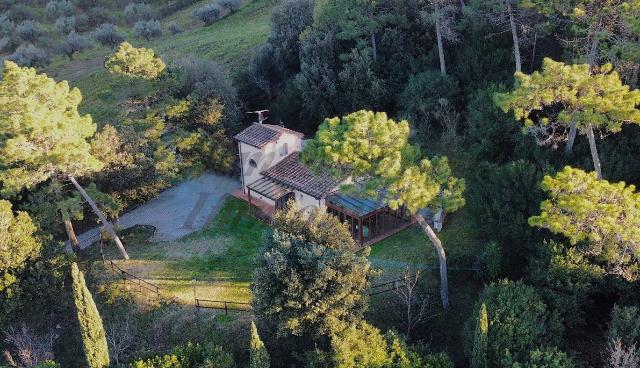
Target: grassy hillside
230,41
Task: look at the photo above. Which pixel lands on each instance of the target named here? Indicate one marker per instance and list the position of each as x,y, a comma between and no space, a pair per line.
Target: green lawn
219,258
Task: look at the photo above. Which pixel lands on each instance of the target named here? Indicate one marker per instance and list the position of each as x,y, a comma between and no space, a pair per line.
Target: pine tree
375,151
259,355
552,101
94,341
479,354
135,62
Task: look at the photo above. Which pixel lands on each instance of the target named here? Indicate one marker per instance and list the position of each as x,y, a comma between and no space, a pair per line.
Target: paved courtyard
178,211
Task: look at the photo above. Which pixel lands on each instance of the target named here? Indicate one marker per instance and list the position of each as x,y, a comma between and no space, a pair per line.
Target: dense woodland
520,117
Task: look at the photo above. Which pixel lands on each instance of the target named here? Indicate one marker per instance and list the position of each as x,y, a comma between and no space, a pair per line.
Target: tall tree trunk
374,46
442,259
101,216
594,151
443,67
68,226
573,130
514,35
462,3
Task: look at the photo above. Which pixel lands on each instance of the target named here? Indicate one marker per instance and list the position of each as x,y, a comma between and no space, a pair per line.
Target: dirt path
77,69
178,211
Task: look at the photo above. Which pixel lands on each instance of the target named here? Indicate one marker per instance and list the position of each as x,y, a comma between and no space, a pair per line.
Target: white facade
254,160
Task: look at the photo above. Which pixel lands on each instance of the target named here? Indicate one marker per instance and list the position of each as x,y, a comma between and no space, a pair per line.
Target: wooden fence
141,284
222,305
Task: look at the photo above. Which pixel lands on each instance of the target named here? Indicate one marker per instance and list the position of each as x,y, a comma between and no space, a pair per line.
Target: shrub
230,6
490,262
65,25
148,29
108,35
99,15
59,8
20,12
31,56
74,43
174,28
421,97
519,322
135,62
29,31
206,78
6,26
137,11
624,325
208,14
192,355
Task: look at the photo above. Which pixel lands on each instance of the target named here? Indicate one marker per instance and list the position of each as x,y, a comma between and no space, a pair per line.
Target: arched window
253,163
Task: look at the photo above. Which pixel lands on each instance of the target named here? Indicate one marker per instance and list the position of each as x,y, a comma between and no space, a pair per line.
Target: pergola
271,189
368,220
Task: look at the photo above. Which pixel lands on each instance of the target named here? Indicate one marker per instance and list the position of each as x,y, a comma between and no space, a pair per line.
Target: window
284,150
253,163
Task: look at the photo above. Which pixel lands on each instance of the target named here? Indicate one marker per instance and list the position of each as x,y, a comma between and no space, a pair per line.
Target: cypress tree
259,355
479,355
94,341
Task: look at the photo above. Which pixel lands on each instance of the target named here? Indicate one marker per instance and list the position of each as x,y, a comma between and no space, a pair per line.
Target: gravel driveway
178,211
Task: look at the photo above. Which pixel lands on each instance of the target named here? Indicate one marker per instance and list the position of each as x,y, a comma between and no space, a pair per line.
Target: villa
272,174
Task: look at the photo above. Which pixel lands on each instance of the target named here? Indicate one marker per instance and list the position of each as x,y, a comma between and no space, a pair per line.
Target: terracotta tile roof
290,171
259,135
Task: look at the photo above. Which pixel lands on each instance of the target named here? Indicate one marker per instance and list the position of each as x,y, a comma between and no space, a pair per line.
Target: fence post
225,308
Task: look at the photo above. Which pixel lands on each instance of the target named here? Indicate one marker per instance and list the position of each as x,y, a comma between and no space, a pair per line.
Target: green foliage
375,150
501,199
360,345
317,227
563,94
94,342
48,364
480,339
490,261
307,289
201,139
18,246
189,356
108,35
135,62
518,322
542,358
43,133
423,95
602,218
624,325
259,357
147,29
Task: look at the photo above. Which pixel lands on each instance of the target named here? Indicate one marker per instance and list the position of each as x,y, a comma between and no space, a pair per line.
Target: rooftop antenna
260,113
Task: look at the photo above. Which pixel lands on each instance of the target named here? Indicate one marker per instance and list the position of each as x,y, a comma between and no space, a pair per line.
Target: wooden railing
142,285
222,305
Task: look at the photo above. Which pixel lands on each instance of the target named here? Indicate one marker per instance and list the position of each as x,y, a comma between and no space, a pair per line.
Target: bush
208,14
65,25
59,8
137,11
624,325
74,43
230,6
192,355
31,56
29,31
501,199
174,28
204,79
99,15
108,35
20,12
148,29
519,322
6,26
422,95
135,62
490,262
